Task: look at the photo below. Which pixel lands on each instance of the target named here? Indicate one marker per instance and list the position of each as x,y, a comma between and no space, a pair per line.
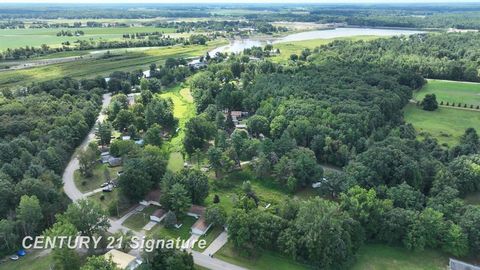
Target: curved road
68,183
74,194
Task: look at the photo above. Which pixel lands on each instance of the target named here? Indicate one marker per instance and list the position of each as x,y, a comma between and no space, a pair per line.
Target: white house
200,227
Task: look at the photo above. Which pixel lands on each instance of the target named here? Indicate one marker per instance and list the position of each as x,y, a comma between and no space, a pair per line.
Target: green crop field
15,38
121,60
445,124
450,91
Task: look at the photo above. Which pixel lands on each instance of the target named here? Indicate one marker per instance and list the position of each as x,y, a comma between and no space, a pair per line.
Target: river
238,45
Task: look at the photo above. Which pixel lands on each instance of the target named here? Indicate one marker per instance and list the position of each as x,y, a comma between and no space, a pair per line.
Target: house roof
159,213
201,225
197,210
121,259
236,113
154,195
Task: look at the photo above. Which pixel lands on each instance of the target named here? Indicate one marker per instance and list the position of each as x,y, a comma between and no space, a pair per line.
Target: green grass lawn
450,91
380,257
473,198
445,124
85,184
160,232
183,110
211,235
288,48
264,260
124,61
30,262
138,220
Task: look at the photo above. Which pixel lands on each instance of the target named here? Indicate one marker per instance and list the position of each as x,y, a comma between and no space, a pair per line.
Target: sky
237,1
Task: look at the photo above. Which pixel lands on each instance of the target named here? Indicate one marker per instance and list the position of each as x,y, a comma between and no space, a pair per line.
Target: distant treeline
450,56
29,52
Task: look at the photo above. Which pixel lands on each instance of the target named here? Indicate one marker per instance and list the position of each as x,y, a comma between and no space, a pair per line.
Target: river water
238,45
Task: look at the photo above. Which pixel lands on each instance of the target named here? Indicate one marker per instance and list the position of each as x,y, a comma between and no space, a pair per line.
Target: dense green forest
451,56
40,127
341,105
330,117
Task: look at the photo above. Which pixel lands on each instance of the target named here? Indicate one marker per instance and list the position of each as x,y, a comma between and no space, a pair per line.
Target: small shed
114,161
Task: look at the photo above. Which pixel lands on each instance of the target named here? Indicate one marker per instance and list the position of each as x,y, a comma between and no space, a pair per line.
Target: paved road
116,224
217,244
68,183
213,263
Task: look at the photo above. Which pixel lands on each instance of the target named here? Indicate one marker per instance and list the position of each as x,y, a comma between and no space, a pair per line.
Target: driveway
217,244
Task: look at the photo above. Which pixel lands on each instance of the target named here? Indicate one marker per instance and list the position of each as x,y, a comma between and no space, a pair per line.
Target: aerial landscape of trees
309,158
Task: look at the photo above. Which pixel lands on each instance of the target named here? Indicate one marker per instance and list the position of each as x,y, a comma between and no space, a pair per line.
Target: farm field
35,37
450,91
444,124
124,61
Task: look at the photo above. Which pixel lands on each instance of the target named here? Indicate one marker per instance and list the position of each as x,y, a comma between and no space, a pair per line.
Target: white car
14,257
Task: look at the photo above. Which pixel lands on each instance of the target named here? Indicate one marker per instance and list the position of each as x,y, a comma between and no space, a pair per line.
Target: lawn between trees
445,124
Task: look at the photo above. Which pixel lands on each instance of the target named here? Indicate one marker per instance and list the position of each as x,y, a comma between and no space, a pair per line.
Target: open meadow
451,92
445,124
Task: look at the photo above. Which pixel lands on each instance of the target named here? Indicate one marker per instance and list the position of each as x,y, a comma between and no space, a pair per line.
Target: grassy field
160,232
229,190
138,220
125,60
264,260
85,184
183,110
380,257
15,38
450,91
445,124
30,262
288,48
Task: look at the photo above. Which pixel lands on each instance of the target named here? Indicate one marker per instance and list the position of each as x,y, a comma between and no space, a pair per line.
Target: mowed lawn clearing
264,260
380,257
451,92
32,261
85,184
445,124
183,110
